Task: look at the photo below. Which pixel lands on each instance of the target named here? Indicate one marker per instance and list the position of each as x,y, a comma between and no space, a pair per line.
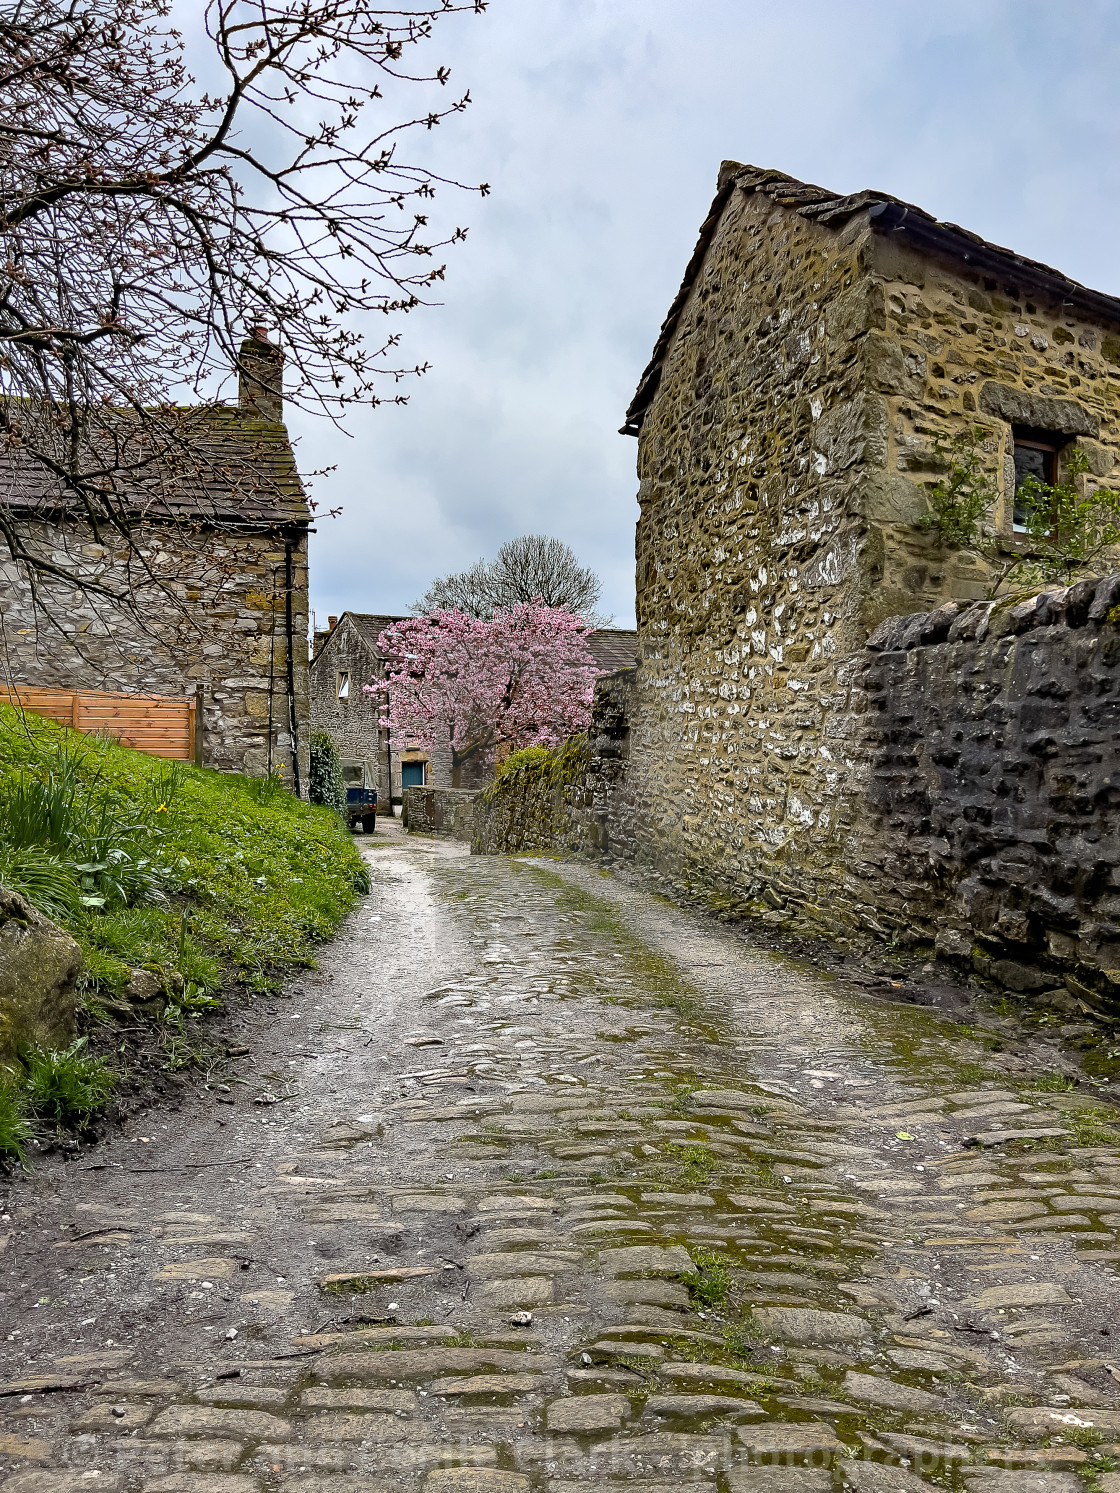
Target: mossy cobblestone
806,1306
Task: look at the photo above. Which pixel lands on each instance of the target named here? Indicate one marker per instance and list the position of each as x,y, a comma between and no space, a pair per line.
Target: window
1036,455
344,684
353,774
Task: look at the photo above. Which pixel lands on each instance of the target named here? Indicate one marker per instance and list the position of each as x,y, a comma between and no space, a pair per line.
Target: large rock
39,964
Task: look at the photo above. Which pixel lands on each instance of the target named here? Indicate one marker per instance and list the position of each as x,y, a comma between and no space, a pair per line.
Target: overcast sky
600,125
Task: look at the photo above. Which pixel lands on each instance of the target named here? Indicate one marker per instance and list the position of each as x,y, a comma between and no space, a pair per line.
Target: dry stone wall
992,824
439,811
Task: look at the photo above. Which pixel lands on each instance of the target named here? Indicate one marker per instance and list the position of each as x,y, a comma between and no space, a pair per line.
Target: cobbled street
542,1183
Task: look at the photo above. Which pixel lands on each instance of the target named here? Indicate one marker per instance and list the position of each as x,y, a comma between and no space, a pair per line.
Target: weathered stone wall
750,587
209,608
946,351
783,462
574,798
992,823
439,811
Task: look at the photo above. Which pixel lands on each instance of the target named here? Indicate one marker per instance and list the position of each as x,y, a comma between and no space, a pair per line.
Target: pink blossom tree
522,678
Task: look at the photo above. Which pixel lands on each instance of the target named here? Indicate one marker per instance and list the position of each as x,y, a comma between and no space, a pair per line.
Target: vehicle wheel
369,824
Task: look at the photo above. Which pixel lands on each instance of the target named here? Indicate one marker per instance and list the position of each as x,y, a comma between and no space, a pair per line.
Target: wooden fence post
199,738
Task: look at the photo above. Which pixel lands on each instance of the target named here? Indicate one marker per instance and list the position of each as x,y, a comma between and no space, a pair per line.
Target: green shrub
14,1129
66,1086
537,759
325,785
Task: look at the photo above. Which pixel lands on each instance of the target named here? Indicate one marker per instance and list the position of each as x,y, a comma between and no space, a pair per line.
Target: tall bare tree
532,568
146,225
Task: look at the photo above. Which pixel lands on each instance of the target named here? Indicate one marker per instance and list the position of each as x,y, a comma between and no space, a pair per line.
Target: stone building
216,573
346,657
830,726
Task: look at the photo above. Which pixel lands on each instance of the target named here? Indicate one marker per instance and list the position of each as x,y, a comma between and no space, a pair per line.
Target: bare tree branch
145,226
532,568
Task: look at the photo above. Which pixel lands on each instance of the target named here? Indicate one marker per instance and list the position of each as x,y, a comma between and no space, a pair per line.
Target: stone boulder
39,964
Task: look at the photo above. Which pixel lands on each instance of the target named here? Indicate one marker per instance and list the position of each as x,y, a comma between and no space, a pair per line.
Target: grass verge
179,883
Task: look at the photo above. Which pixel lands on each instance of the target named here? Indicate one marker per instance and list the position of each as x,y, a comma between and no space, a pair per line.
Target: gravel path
540,1183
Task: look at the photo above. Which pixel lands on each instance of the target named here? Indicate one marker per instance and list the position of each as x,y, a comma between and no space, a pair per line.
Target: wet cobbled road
539,1185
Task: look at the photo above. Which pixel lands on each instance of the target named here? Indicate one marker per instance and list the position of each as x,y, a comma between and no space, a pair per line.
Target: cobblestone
774,1264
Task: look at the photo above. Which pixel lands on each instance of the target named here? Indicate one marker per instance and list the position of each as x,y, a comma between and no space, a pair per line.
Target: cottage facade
346,658
819,349
217,575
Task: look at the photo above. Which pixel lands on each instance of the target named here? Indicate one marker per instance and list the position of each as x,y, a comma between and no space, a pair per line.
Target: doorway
412,774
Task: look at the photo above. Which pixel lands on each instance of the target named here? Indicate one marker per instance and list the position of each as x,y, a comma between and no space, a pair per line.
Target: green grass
974,1073
190,872
712,1282
1083,1436
66,1087
15,1131
1052,1083
1090,1127
694,1166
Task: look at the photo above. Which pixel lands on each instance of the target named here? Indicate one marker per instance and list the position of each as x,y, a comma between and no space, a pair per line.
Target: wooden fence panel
161,725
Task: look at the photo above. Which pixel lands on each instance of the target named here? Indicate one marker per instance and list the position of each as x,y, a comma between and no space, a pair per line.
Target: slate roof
885,214
244,476
368,625
613,648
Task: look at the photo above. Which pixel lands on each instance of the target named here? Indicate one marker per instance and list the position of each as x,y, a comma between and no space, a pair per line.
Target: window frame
1051,444
342,686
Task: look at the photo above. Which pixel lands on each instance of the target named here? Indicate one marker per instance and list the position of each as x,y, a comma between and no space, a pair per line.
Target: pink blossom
523,678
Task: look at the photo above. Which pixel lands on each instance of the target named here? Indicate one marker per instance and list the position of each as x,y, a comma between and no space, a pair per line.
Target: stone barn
793,747
217,575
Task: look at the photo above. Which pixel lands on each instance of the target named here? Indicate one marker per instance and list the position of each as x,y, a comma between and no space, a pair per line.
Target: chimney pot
332,622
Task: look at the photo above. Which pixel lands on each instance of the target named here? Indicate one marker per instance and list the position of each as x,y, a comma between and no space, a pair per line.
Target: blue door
412,774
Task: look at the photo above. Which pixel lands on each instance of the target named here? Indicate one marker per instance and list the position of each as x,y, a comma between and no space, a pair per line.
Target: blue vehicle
361,805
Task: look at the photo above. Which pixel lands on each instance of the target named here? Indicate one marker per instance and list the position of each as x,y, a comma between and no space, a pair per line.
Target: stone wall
979,817
439,811
574,798
208,608
992,821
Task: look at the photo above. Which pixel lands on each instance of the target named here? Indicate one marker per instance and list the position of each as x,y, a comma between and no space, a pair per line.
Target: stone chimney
260,381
